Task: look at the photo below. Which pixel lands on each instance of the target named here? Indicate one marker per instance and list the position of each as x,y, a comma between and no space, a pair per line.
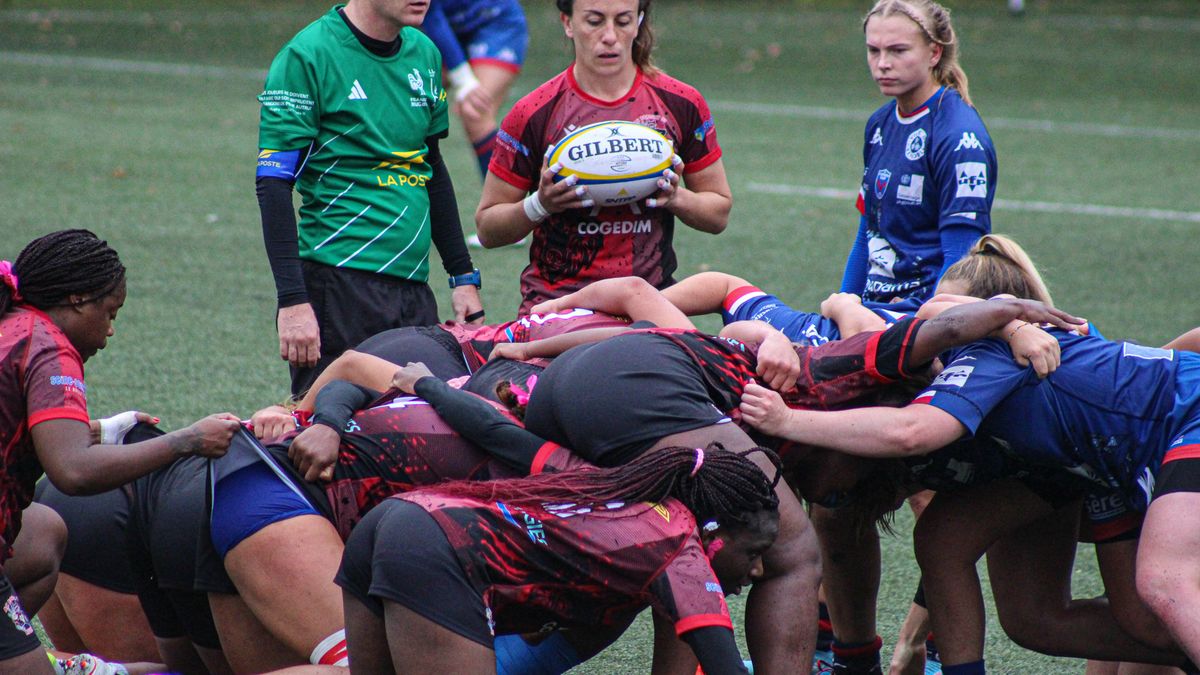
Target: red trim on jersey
691,623
927,397
509,177
57,414
861,203
499,63
870,356
637,82
1182,452
336,653
542,456
702,163
736,295
904,348
1099,533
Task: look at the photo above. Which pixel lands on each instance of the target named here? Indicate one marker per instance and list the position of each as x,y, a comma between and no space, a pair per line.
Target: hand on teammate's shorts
406,378
314,452
210,437
763,409
272,422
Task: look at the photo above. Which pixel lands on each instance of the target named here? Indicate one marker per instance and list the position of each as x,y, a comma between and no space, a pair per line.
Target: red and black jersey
398,446
477,341
586,566
576,247
41,379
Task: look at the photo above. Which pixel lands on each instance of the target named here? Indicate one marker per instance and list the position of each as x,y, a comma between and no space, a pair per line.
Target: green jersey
350,127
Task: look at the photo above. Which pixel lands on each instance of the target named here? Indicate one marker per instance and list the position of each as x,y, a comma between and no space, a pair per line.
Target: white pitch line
1003,204
774,109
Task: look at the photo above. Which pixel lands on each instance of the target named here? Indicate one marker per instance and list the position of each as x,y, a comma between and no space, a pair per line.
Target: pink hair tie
523,393
699,462
9,277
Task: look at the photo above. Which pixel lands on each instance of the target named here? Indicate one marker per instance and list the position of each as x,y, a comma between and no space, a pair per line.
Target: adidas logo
357,93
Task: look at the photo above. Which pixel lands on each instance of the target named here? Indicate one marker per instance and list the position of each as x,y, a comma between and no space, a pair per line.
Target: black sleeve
443,215
716,649
477,421
280,238
338,401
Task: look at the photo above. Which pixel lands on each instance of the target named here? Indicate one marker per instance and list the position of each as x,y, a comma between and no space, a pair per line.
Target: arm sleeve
438,29
956,240
446,228
477,421
854,279
280,239
338,401
716,649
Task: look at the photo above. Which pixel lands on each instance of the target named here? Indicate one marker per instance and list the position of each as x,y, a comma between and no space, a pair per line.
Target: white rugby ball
619,162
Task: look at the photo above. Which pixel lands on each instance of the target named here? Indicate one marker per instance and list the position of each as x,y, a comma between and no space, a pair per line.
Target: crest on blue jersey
914,149
881,182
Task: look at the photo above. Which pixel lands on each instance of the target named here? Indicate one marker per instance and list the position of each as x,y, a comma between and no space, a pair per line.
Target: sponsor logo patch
877,139
911,189
972,180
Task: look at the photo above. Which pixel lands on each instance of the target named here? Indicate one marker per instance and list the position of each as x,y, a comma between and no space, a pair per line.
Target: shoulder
881,114
415,40
951,113
533,102
667,84
326,31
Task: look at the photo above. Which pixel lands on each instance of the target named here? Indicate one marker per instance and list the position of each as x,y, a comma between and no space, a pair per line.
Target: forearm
715,649
866,432
502,224
854,277
962,324
752,333
281,240
445,226
98,468
477,421
551,347
703,293
338,401
703,211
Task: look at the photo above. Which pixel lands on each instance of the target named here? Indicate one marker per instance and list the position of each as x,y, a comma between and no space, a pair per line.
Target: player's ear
566,23
935,55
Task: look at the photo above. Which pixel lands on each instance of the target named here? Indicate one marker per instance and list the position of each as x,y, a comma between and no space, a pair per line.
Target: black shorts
94,523
352,305
427,344
1177,475
400,554
17,636
610,401
165,525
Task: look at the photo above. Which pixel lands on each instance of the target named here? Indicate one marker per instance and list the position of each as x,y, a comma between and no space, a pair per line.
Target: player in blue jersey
1109,413
929,168
483,47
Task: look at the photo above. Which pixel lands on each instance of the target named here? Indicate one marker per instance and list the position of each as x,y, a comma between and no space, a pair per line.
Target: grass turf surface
1087,102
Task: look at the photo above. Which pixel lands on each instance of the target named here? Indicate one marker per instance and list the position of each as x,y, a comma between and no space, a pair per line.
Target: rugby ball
619,162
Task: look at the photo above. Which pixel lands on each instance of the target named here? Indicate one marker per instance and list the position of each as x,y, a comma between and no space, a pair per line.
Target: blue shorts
1173,474
496,35
250,499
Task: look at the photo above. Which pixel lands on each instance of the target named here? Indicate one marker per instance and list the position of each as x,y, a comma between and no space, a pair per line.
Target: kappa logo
972,180
914,148
877,139
968,141
357,93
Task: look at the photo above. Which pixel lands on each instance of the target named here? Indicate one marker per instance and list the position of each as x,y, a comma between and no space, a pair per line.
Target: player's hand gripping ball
619,162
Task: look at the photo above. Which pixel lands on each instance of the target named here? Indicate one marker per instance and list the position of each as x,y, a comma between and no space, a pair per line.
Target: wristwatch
471,279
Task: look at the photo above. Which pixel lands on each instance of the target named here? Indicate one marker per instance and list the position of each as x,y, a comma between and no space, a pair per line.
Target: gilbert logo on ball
619,162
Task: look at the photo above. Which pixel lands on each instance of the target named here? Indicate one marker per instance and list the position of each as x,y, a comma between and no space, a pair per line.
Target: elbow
907,438
71,482
487,232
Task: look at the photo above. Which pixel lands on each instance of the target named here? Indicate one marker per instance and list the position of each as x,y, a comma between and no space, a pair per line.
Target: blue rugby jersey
922,173
1107,413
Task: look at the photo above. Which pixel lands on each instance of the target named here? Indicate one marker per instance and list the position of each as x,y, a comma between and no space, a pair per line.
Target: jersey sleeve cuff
691,623
541,457
702,163
58,414
511,178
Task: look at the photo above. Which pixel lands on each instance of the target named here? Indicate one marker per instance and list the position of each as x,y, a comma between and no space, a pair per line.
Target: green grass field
138,120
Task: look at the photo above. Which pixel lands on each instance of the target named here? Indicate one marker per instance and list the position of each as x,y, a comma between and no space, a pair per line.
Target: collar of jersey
637,82
919,112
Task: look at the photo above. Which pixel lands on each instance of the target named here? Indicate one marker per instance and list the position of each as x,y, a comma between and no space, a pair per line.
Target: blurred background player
929,171
611,78
483,48
352,111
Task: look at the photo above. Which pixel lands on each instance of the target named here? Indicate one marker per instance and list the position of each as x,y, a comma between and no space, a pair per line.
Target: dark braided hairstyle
58,265
727,487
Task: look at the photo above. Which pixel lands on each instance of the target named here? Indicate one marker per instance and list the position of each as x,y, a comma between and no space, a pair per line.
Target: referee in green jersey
352,111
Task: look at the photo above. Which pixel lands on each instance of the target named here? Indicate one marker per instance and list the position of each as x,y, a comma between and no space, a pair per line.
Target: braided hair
713,483
58,265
